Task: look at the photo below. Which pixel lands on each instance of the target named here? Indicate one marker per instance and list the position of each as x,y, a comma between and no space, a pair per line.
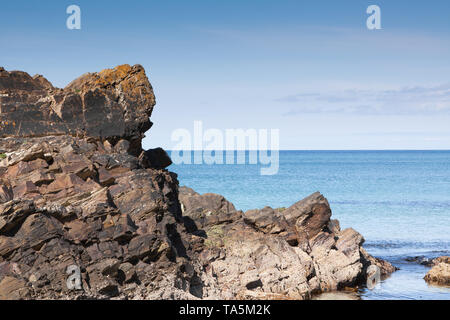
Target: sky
311,69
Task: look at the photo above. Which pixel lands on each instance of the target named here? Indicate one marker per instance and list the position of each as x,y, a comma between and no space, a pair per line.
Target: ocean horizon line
327,150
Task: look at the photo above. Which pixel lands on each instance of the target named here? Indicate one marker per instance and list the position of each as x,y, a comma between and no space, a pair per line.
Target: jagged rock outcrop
440,272
274,253
77,192
69,201
114,104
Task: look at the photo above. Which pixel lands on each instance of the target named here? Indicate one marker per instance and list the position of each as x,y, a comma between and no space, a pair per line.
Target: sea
398,200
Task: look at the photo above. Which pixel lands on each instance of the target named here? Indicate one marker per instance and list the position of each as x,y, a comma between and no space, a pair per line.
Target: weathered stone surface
440,272
104,178
266,220
309,216
207,209
253,255
13,289
84,213
6,193
13,213
112,103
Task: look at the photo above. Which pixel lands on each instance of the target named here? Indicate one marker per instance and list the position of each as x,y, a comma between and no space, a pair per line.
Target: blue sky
309,68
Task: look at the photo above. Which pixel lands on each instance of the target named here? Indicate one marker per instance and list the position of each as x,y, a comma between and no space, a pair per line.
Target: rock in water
273,253
86,213
440,272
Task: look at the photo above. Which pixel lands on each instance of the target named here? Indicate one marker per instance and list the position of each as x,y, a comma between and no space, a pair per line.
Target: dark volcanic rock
157,158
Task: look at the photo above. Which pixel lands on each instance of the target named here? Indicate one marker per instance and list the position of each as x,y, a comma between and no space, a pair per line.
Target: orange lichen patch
108,76
131,79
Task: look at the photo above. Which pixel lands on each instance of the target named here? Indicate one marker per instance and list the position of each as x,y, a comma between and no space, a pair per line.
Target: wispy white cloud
326,40
407,100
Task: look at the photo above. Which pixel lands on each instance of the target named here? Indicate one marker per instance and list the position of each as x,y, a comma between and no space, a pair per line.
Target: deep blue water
398,200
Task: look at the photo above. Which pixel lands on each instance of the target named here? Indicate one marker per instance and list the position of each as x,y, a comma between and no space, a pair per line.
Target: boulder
440,271
439,274
156,158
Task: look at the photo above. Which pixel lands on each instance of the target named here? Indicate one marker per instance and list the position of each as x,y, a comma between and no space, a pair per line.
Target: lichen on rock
113,104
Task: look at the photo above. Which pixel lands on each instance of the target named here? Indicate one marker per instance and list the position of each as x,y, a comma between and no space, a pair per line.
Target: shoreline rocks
82,203
291,253
440,272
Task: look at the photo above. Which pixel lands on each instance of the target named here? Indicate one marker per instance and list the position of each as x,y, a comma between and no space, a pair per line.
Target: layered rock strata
81,200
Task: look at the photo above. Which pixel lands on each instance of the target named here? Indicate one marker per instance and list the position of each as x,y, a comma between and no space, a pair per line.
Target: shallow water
398,200
406,284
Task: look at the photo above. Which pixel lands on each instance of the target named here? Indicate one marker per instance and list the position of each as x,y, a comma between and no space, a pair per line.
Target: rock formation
440,272
113,104
274,253
77,192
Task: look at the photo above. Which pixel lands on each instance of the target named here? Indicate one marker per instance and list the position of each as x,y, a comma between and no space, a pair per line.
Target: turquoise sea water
398,200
